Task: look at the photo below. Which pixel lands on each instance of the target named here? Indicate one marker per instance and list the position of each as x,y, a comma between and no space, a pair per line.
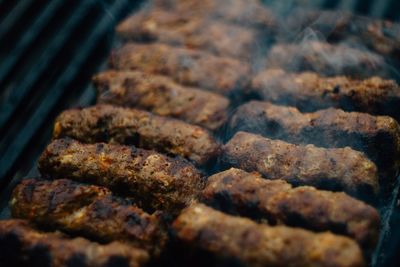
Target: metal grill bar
53,96
27,39
13,16
18,91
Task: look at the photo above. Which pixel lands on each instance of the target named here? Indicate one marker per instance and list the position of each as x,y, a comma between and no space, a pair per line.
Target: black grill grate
48,52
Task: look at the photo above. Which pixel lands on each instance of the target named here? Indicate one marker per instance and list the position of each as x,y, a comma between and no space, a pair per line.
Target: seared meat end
161,96
377,136
248,194
88,210
327,59
308,91
105,123
334,169
221,75
250,244
22,245
155,181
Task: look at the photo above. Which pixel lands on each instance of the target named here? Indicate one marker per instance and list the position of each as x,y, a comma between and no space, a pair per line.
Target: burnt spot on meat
133,219
99,148
28,191
336,89
102,209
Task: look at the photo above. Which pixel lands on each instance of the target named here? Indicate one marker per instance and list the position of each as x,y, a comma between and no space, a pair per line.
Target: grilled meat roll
377,136
154,181
309,91
246,243
105,123
86,209
327,59
173,28
161,96
334,169
21,245
248,194
323,22
381,36
189,67
243,12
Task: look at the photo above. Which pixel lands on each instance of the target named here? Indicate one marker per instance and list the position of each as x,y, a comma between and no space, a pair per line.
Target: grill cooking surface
50,50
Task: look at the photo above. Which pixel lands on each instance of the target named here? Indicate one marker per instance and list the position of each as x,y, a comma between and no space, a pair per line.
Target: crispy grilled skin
256,245
189,67
334,169
161,96
327,59
155,181
243,12
21,245
173,28
105,123
86,209
309,91
377,136
248,194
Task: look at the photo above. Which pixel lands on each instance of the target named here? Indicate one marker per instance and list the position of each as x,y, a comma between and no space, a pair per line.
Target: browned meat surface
247,243
379,35
248,194
222,75
325,23
327,59
161,96
155,181
174,28
22,246
309,91
382,36
377,136
105,123
86,209
334,169
242,12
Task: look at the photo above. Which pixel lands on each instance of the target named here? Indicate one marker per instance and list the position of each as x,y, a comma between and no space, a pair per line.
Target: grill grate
62,42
